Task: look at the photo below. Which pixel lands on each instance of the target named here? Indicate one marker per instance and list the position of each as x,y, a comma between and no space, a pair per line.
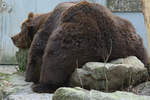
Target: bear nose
12,38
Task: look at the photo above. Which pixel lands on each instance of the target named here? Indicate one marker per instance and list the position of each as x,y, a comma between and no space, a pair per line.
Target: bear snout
12,38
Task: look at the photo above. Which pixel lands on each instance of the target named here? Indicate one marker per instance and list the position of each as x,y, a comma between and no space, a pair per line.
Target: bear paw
35,81
44,88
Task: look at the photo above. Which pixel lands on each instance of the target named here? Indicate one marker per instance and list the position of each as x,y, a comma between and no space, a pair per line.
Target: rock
129,60
32,96
142,89
112,76
91,76
81,94
8,69
13,86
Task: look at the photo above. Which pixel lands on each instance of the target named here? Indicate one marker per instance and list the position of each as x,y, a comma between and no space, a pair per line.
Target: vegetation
21,57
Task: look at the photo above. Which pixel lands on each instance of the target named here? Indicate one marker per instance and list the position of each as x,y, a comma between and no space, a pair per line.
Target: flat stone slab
13,86
32,96
8,69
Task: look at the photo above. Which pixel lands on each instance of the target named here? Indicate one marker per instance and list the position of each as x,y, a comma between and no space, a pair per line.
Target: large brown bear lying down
73,34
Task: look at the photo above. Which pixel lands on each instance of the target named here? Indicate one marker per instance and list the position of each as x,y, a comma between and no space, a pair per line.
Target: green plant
21,57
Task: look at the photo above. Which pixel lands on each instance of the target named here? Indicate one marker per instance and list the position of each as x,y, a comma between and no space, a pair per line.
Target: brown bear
80,33
76,33
28,29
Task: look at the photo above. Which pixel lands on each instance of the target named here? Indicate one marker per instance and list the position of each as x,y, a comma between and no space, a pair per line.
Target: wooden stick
146,12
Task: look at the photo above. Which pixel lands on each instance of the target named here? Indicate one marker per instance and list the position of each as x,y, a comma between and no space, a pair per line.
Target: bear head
24,38
28,29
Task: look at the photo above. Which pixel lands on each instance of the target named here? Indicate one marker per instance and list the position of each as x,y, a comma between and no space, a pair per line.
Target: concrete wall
13,12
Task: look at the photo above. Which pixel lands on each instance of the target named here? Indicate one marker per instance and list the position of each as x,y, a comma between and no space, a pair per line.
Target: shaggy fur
76,33
38,45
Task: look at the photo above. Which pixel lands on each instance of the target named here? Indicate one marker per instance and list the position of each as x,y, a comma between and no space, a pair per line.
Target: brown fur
75,34
28,29
38,45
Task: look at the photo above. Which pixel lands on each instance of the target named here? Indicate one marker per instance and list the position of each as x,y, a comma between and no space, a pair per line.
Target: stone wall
124,5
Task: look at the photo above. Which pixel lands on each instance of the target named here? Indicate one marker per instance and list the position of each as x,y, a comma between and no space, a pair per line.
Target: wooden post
146,12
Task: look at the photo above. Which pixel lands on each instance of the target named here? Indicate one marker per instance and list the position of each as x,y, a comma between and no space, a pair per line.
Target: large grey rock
13,86
81,94
112,76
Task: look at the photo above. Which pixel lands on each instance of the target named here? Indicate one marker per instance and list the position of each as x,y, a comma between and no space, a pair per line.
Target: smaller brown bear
28,29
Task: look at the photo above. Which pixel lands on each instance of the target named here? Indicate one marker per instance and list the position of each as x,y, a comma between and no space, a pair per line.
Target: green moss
21,57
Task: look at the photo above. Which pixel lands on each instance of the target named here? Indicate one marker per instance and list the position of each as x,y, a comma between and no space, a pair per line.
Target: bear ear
30,16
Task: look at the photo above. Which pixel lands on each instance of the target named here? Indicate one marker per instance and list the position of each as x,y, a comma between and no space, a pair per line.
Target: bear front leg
55,72
56,69
35,60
